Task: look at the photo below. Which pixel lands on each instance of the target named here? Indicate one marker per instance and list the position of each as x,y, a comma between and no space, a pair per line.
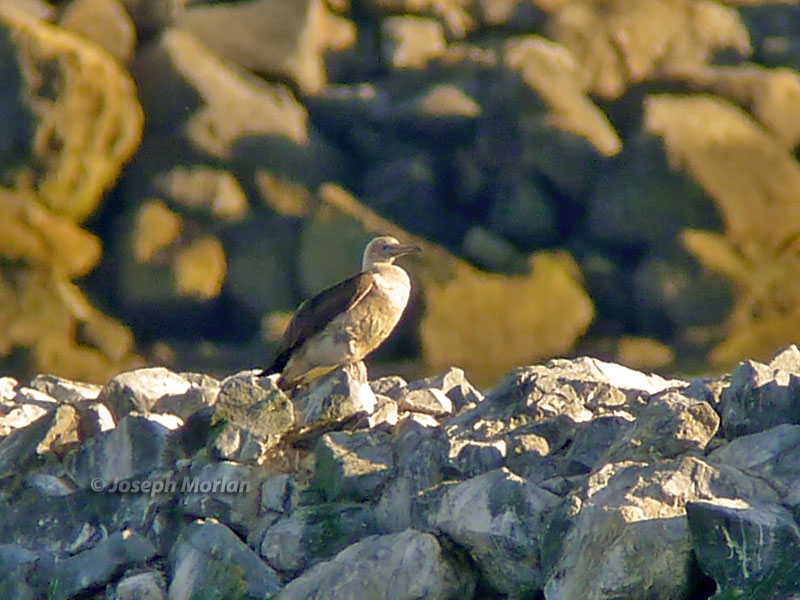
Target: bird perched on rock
344,323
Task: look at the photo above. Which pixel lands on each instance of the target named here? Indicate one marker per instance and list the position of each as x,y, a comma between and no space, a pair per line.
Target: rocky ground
571,479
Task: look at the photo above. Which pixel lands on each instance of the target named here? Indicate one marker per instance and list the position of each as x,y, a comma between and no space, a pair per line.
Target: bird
344,323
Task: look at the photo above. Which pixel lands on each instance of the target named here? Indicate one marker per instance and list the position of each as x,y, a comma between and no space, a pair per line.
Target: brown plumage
344,323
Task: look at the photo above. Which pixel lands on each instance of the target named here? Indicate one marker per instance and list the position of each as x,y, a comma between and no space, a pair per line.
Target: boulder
414,563
742,546
500,519
138,445
250,416
353,464
312,534
208,558
761,396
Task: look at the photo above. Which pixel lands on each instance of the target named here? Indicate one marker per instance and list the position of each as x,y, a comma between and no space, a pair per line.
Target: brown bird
344,323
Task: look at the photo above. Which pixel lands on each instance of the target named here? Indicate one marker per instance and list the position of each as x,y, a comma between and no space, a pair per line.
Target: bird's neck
392,279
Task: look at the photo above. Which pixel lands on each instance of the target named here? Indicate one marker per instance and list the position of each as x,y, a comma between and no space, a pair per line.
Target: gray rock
762,396
391,386
428,401
397,566
579,389
8,386
386,411
454,384
469,458
335,398
95,418
16,563
65,390
419,458
208,558
251,415
499,518
49,485
314,533
627,529
772,455
202,392
743,546
234,495
147,585
353,465
671,425
138,445
278,493
99,565
139,390
55,431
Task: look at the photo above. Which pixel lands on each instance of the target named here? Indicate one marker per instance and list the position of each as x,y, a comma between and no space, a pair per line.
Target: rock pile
573,479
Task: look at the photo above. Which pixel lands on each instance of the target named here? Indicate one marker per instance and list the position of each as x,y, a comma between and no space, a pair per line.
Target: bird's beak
402,249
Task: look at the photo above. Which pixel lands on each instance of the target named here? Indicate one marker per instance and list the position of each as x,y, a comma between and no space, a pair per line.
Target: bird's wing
315,313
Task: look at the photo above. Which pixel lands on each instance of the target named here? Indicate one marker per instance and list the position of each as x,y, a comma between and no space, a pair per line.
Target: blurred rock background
611,177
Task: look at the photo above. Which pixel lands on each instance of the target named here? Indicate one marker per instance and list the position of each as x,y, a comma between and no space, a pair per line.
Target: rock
19,417
104,22
762,396
770,455
469,458
522,213
385,413
249,252
419,457
139,390
671,425
97,566
225,491
627,528
413,562
391,386
411,42
406,190
65,390
55,431
202,393
251,415
620,213
95,418
278,493
335,398
555,387
147,585
138,445
453,383
742,546
499,518
16,563
672,291
353,465
429,401
49,485
283,38
208,558
315,533
202,189
490,251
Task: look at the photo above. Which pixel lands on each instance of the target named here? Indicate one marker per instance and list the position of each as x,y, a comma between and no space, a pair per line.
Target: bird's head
383,250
